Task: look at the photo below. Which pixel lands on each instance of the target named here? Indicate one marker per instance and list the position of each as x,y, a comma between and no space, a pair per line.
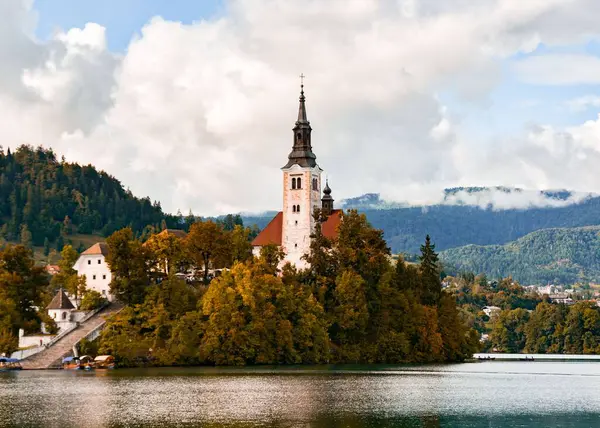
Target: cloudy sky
192,102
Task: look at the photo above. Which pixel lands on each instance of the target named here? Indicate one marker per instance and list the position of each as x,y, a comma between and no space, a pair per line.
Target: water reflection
468,395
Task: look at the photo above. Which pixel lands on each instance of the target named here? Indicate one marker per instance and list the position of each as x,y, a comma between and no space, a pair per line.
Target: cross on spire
302,76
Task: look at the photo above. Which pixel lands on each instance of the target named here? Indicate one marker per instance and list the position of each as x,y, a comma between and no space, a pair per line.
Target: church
291,228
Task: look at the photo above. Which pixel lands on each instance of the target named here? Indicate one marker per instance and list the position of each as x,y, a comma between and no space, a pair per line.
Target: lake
482,394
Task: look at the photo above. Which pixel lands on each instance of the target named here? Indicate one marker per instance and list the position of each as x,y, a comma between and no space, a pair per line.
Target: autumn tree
254,319
129,264
208,246
168,252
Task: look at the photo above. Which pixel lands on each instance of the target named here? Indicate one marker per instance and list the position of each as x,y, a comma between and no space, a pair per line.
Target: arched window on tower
299,136
299,183
293,183
297,208
294,208
315,184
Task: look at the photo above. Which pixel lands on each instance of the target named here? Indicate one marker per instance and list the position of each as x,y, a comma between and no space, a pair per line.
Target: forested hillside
455,225
545,256
43,198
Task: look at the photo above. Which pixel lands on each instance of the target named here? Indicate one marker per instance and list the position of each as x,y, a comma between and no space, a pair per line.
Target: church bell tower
301,189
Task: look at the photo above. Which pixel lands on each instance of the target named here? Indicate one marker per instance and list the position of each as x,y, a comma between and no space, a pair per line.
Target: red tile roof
330,226
97,249
272,233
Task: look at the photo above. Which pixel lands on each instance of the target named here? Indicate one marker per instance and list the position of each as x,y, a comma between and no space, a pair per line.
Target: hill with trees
561,255
453,226
44,200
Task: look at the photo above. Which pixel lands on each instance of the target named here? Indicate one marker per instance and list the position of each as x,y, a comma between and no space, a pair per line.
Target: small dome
327,190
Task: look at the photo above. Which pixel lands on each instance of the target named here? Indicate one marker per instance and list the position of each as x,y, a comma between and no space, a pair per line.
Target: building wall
34,340
97,273
298,226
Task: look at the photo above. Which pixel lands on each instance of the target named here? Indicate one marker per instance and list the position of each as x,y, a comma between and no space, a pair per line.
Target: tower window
293,183
99,261
297,208
295,245
294,208
299,136
296,222
315,183
299,183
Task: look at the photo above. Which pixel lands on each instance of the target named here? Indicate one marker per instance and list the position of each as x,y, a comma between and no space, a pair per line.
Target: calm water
487,394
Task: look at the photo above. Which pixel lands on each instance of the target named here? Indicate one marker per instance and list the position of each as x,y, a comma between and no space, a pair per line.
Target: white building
92,264
491,310
291,228
64,314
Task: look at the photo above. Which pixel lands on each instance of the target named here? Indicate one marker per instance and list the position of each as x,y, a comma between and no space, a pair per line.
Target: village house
92,265
52,269
491,310
291,228
62,310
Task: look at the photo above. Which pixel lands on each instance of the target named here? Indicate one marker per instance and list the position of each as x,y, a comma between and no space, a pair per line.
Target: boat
70,363
86,363
526,359
104,362
9,364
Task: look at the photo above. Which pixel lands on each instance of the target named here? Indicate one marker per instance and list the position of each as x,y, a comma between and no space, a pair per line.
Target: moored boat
70,363
86,363
526,359
9,364
104,362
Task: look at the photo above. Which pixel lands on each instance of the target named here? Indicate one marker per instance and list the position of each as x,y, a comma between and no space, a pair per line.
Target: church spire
301,153
327,200
302,108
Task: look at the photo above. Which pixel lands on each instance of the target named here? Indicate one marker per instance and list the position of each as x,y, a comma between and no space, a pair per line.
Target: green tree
46,247
430,275
26,237
92,300
128,262
241,248
508,333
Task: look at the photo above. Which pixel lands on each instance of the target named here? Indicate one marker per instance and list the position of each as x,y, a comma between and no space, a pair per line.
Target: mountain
468,216
561,255
42,197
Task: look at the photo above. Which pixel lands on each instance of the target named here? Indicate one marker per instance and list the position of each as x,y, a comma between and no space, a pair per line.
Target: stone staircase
53,355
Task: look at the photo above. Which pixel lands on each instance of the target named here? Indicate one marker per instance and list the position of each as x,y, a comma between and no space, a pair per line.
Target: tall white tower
301,190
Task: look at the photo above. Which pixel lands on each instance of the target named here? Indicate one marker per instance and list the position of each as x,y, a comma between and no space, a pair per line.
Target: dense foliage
43,200
23,287
556,329
559,256
351,305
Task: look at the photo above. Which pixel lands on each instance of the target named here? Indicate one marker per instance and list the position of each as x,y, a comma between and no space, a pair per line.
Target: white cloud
200,115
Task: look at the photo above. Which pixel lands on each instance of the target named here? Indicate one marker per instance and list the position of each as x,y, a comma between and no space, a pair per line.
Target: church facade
291,228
